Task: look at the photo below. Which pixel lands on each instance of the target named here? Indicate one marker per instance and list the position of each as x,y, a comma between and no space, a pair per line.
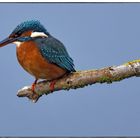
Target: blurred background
96,35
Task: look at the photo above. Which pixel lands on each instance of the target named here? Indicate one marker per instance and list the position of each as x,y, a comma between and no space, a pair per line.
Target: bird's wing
55,52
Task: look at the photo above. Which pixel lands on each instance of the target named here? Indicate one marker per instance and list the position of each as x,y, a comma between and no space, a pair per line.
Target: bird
39,53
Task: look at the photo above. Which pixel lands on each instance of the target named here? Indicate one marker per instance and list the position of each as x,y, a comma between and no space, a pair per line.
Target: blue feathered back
55,52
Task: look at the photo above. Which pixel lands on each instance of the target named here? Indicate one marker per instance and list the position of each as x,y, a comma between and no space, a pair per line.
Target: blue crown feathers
33,25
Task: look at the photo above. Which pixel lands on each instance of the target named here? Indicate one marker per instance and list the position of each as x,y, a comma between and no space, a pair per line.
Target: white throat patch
18,43
37,34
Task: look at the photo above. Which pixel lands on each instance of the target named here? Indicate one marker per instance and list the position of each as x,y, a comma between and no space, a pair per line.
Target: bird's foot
52,85
33,85
34,97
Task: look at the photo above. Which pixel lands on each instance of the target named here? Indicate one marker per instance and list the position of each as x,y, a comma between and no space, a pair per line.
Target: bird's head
25,32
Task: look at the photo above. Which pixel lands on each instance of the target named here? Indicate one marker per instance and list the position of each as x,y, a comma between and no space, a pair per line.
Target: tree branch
80,79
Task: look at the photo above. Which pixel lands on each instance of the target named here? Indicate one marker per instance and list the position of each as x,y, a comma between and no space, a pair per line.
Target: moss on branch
81,79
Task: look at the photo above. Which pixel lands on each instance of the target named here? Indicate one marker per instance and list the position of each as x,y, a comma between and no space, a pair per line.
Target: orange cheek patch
28,33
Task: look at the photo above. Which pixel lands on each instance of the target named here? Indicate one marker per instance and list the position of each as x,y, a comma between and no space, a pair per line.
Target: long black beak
7,41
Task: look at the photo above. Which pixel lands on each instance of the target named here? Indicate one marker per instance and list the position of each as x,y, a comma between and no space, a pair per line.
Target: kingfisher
39,53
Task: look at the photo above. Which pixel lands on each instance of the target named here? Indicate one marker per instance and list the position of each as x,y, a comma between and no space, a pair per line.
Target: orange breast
32,61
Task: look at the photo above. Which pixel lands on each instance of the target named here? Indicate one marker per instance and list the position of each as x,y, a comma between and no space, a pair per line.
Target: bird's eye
16,35
13,36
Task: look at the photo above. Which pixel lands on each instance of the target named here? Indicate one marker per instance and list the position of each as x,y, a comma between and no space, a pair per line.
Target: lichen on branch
80,79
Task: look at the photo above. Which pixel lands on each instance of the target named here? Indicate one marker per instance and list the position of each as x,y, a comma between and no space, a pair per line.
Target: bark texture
81,79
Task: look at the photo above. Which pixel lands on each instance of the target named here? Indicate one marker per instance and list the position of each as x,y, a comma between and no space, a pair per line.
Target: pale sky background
95,35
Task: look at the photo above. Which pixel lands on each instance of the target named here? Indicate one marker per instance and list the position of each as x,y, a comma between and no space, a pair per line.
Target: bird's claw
52,85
